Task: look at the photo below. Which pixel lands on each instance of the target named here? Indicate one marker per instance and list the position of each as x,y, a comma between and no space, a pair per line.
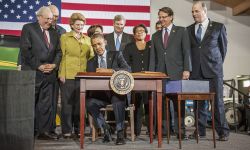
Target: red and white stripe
96,12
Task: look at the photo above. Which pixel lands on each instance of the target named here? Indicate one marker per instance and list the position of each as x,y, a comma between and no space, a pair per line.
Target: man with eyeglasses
40,49
170,54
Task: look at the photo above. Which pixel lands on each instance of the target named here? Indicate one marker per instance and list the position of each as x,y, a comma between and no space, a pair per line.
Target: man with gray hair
60,30
208,50
39,45
117,40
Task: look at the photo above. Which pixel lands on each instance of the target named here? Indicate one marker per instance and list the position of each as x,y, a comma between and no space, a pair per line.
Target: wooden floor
236,141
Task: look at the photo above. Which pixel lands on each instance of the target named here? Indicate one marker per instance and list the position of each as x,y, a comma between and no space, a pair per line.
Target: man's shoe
223,138
107,134
183,136
67,135
120,138
193,136
47,136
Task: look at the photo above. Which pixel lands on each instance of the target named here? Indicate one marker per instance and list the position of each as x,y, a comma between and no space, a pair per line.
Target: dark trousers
99,100
221,125
165,124
43,105
70,101
140,99
54,105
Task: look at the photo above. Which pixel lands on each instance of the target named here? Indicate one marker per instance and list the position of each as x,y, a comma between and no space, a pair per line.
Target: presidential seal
122,82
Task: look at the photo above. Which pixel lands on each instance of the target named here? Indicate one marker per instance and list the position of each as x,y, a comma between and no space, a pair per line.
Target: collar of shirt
169,30
104,55
204,27
120,37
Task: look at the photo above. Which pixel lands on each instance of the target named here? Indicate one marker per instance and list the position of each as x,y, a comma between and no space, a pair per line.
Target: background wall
237,61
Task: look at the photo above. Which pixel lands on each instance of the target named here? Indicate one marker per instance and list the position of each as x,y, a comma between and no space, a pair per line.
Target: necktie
117,43
165,40
103,63
198,33
46,38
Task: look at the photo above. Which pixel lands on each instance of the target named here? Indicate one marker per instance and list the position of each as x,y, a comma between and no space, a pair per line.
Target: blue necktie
117,43
103,63
198,33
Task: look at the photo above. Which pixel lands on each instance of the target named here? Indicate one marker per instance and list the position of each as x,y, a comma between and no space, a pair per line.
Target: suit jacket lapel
109,59
193,32
123,40
208,31
96,65
172,35
40,34
159,39
112,40
51,42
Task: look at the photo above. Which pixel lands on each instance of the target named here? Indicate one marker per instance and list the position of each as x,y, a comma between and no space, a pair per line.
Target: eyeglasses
162,17
48,19
139,31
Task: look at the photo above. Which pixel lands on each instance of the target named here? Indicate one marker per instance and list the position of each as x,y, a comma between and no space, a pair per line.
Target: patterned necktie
103,63
198,33
165,41
46,38
117,43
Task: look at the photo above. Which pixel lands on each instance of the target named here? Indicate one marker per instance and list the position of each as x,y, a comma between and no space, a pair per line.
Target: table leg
159,118
82,115
196,123
151,110
179,120
168,128
213,127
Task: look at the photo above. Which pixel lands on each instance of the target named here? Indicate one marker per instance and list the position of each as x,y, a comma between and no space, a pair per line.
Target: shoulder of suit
32,24
130,44
178,28
156,33
127,34
214,23
108,35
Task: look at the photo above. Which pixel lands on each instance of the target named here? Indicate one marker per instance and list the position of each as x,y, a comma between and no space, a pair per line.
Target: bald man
60,30
208,51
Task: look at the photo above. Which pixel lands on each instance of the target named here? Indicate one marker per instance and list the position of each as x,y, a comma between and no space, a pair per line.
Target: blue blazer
208,55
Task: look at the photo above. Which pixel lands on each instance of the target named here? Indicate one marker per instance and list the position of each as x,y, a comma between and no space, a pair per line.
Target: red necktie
46,38
165,40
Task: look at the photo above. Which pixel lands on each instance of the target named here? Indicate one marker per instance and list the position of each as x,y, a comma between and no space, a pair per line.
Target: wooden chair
130,109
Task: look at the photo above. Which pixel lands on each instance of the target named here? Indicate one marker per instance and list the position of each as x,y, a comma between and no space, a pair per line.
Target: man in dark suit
117,40
170,54
60,30
208,51
107,61
41,52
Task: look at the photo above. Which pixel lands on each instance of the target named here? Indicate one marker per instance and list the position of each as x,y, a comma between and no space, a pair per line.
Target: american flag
15,13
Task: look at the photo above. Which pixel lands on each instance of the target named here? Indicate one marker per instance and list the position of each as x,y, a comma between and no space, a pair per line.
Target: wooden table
190,96
143,82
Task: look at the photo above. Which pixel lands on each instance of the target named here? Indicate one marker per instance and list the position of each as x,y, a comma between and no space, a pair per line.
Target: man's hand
47,68
104,70
185,75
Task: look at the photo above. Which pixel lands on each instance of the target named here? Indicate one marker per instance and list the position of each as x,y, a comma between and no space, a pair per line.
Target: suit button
165,53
